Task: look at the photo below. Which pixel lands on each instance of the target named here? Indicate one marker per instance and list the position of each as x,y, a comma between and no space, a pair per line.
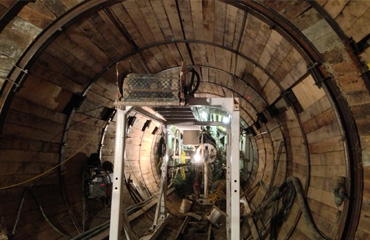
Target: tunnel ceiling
59,64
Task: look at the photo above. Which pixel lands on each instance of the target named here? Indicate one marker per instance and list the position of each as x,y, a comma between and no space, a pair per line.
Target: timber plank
323,197
108,93
161,16
19,143
209,16
239,30
70,3
86,119
158,35
327,159
304,232
220,61
260,41
25,119
75,56
125,19
85,128
328,228
279,55
22,105
174,19
186,18
364,222
325,212
32,133
45,74
135,14
362,235
82,41
64,69
307,92
49,95
19,156
185,54
110,33
37,14
270,91
328,171
327,145
250,34
89,30
283,70
99,99
315,109
230,26
164,59
22,26
219,28
270,48
90,108
325,132
27,168
289,9
87,150
150,61
324,118
56,7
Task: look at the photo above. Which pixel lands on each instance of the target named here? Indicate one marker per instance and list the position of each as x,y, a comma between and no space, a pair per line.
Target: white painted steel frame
231,105
234,179
160,212
118,217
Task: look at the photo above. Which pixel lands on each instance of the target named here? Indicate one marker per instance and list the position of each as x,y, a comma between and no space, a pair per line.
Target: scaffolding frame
119,217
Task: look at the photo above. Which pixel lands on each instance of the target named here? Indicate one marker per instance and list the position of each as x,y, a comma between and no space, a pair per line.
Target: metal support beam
161,216
233,173
160,212
118,217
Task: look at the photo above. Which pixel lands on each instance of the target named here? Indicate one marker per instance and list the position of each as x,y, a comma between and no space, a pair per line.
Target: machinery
97,179
173,98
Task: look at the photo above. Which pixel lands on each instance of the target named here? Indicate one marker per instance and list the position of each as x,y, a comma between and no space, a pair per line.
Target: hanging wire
47,171
41,210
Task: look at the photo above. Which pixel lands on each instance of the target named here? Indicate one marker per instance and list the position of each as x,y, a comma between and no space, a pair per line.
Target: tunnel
299,71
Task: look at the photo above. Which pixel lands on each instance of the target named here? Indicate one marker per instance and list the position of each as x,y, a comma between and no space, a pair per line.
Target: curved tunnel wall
261,44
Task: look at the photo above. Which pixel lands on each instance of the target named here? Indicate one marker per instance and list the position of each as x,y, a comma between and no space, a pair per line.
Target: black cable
20,208
41,210
197,84
46,218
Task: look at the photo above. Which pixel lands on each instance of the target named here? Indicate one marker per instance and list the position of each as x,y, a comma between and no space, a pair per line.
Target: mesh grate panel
140,89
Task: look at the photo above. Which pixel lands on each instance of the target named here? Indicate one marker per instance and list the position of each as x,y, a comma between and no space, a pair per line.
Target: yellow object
183,162
212,199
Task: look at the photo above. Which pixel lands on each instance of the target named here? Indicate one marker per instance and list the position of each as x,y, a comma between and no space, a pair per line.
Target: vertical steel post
160,212
228,186
118,213
235,174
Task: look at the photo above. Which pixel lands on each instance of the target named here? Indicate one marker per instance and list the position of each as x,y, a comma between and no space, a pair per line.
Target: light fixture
165,158
204,115
226,119
197,158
